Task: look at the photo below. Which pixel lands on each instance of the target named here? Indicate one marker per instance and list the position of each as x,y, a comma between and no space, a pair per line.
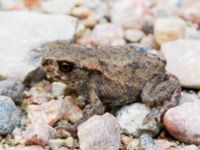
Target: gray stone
188,97
99,132
131,120
9,115
192,33
12,88
22,33
183,59
147,143
189,147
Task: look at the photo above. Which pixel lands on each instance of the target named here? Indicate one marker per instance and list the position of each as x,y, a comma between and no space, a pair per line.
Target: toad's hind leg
160,93
95,106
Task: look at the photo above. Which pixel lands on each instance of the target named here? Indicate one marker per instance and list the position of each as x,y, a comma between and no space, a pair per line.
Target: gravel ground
32,108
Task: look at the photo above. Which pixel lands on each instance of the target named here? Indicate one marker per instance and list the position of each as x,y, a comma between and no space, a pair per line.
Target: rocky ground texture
32,108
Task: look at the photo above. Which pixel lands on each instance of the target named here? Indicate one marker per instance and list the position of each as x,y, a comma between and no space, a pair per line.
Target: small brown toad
111,76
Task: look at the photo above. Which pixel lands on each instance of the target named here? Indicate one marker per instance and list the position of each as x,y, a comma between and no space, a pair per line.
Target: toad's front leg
93,107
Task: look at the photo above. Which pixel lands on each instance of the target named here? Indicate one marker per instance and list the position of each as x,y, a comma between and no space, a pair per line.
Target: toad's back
118,55
124,71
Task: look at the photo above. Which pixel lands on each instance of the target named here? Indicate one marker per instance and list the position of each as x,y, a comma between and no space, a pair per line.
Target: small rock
128,13
54,110
183,121
58,143
39,132
125,140
9,115
39,93
81,12
58,88
69,142
32,3
91,21
24,148
134,35
39,97
131,118
188,98
166,145
12,4
190,12
147,143
106,34
189,147
192,33
12,88
182,58
148,24
58,6
167,8
29,32
149,41
169,29
99,132
133,145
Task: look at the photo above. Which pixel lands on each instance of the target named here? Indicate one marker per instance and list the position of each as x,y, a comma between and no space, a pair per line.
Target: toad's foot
94,108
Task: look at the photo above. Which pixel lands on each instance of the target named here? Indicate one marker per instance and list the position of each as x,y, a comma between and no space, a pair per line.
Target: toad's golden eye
65,66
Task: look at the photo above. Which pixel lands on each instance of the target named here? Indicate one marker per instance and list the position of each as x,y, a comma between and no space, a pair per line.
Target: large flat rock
183,59
22,33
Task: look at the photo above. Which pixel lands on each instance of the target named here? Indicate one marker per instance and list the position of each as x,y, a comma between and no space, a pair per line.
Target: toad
111,77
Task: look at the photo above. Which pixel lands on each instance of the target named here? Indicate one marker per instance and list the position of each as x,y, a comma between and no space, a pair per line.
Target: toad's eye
65,66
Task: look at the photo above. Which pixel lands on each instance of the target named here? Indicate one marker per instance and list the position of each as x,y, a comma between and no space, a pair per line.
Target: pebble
183,121
134,35
9,115
125,140
167,8
58,88
128,13
149,41
131,120
106,34
54,110
24,148
12,88
192,33
190,12
58,143
38,132
189,147
169,29
99,132
38,97
29,32
58,6
91,21
165,144
12,4
147,143
182,58
188,97
81,12
133,144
